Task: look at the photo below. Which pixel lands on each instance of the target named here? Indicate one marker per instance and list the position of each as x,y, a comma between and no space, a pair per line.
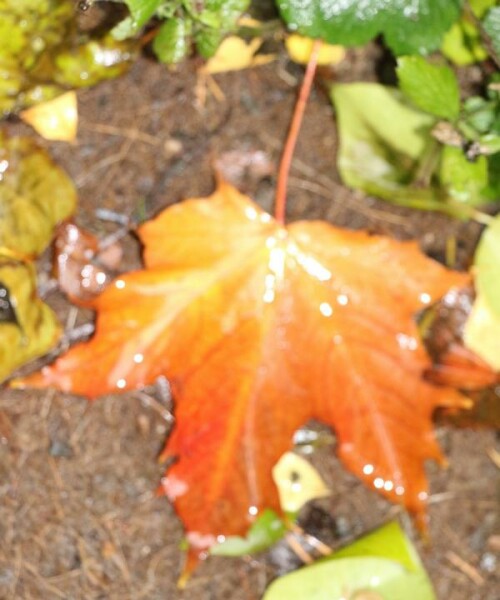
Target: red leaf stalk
293,132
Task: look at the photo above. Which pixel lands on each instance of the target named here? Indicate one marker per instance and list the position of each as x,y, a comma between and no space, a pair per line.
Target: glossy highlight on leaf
408,27
260,327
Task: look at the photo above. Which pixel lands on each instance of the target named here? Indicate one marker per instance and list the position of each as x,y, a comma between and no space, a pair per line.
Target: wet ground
79,519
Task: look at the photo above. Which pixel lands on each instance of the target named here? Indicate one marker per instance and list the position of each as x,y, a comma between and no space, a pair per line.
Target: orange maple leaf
260,327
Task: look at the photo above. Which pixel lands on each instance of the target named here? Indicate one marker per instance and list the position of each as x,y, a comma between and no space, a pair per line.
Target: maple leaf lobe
259,328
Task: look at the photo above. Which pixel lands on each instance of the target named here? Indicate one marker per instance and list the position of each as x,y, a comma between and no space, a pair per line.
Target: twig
286,159
466,568
304,556
320,546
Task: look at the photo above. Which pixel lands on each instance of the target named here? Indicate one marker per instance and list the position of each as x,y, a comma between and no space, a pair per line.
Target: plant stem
293,132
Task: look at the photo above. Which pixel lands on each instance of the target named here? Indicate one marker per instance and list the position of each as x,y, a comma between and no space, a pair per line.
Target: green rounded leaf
491,25
171,44
464,180
408,27
383,562
31,329
432,88
35,195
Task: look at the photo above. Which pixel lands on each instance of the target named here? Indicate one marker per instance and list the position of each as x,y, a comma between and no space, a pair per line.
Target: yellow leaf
482,332
299,49
56,119
235,54
297,482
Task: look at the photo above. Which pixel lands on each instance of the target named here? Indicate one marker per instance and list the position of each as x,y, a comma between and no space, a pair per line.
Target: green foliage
463,43
383,562
383,144
184,21
389,142
265,532
171,44
491,24
465,180
42,53
432,88
408,28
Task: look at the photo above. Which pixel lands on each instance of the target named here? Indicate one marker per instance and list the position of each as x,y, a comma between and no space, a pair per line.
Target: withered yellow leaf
235,54
56,119
299,49
297,482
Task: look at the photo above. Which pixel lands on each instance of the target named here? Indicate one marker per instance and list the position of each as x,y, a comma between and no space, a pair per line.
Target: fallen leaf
381,565
482,332
482,329
235,54
56,119
260,327
297,481
299,49
35,195
31,328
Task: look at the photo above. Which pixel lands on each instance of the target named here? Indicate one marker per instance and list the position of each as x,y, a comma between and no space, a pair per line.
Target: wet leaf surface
259,328
42,53
415,28
35,195
28,327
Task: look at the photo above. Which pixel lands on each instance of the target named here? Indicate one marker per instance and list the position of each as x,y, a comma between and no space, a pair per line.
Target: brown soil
79,518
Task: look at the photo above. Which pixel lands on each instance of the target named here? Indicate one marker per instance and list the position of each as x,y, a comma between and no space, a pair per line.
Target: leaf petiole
293,132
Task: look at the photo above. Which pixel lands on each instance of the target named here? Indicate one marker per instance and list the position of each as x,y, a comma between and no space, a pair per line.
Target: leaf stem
293,132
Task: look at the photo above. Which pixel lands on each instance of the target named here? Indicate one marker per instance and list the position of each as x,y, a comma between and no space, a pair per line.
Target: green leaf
479,7
388,542
462,44
35,329
35,195
482,332
432,88
142,10
487,266
408,28
383,562
171,44
207,42
491,24
265,532
464,180
383,142
482,328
